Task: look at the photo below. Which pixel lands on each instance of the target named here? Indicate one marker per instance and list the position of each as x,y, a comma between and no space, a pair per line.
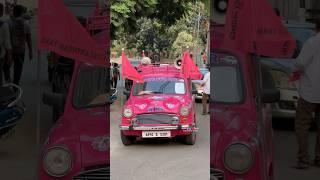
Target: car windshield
226,79
135,63
160,85
91,87
204,71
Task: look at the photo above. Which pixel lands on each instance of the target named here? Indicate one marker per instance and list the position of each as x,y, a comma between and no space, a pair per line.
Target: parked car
197,85
241,123
281,72
161,107
77,146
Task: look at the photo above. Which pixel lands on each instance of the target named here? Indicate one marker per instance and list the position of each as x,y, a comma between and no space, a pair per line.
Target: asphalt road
285,149
157,160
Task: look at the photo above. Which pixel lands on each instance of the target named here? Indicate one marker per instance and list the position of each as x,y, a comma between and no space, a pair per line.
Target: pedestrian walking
20,36
5,44
206,92
308,65
116,74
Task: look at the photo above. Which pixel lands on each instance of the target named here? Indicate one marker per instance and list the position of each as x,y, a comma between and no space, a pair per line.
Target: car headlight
238,158
184,111
57,161
127,112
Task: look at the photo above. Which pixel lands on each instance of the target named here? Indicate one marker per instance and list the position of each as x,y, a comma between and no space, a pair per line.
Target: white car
197,85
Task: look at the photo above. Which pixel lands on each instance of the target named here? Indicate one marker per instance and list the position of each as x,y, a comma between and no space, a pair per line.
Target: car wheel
127,140
190,139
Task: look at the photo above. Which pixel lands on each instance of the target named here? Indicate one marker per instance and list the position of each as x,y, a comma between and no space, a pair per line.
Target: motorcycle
12,108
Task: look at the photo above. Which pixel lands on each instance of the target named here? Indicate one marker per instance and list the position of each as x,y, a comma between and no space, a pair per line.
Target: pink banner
189,68
128,71
252,22
60,32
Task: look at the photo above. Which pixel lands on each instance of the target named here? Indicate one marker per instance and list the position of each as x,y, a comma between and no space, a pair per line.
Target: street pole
38,114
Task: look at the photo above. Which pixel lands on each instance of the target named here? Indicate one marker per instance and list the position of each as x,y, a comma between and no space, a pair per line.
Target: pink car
241,125
78,145
161,107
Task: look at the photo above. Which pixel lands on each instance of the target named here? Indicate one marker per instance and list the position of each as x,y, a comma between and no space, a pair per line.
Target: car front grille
96,173
287,105
154,119
216,174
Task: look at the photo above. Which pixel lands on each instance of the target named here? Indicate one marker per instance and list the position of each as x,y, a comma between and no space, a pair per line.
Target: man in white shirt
308,65
206,92
5,43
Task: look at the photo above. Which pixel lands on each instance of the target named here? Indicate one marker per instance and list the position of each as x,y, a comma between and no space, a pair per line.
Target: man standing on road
116,75
20,36
5,44
308,66
206,92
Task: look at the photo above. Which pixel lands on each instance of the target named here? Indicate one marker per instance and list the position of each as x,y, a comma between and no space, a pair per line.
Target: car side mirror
53,99
270,95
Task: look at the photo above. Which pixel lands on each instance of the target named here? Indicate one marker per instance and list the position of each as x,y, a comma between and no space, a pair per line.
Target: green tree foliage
158,25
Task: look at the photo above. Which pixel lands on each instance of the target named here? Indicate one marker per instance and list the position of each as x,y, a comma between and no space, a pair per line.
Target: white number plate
154,134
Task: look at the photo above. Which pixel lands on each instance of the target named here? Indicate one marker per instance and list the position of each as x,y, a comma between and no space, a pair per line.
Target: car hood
157,103
230,124
86,134
93,128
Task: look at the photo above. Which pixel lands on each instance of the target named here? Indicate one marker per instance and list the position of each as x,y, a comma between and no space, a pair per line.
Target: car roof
158,70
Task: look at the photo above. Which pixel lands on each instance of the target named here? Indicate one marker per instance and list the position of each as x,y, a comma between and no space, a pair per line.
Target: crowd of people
15,38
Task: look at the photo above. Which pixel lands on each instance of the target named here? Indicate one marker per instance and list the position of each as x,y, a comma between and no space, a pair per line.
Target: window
226,77
91,87
160,85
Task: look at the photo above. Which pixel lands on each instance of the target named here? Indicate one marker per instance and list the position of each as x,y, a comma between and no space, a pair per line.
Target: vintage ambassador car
161,107
241,123
78,145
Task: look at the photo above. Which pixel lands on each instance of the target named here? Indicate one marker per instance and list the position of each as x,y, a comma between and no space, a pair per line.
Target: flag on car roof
189,68
128,71
60,32
143,55
253,26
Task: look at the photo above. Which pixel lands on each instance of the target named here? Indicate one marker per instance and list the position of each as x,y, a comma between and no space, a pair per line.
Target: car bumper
178,130
281,113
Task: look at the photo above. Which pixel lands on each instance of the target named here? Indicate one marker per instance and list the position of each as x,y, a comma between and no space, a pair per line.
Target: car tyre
127,140
190,139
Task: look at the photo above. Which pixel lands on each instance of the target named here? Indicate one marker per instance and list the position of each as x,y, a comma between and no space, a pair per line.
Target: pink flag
60,32
97,9
253,26
189,68
128,71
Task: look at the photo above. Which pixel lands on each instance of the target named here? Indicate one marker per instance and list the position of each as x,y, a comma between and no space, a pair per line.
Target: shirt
5,41
27,29
308,62
206,82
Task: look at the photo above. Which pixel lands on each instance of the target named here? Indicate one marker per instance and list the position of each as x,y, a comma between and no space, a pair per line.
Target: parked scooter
11,107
